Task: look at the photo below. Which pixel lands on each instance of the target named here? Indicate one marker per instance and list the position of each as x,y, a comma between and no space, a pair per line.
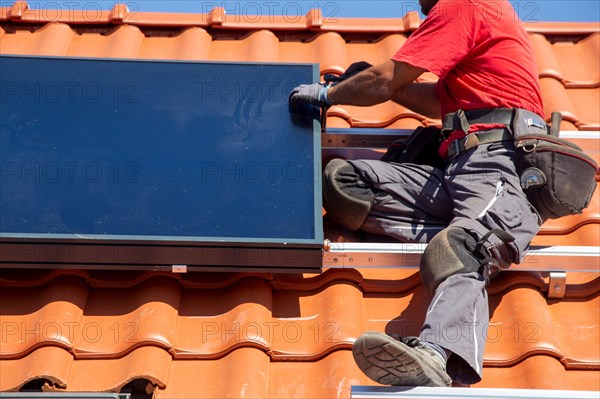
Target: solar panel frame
42,91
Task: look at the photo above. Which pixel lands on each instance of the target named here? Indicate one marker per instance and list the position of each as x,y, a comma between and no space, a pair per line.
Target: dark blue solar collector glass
159,152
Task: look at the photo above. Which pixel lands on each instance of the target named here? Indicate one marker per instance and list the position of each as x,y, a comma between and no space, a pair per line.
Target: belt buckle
454,149
471,140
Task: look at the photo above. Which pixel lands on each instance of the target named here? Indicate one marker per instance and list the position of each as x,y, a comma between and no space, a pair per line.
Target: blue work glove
315,94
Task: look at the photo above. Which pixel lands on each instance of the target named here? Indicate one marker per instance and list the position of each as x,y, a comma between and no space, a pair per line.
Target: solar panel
167,162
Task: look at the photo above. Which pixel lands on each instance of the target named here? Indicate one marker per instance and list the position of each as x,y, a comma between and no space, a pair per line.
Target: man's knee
452,251
346,197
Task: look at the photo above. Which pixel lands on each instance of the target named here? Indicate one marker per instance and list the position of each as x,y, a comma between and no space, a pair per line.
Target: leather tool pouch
557,177
421,148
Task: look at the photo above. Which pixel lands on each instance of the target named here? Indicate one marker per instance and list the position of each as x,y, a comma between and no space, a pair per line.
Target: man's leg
448,262
347,198
404,201
493,224
410,203
497,225
457,320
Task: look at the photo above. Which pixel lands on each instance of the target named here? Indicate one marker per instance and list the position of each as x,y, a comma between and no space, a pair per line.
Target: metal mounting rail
368,392
64,395
367,143
382,138
407,256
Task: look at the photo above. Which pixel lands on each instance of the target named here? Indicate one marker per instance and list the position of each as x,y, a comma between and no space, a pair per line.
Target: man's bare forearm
420,98
375,85
366,88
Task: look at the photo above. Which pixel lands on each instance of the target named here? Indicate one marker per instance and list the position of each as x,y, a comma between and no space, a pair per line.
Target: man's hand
315,94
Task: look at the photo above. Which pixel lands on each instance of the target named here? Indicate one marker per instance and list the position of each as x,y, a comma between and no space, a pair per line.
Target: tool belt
557,177
420,148
509,122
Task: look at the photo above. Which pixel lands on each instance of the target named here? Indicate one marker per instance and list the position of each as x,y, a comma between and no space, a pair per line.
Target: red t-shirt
481,53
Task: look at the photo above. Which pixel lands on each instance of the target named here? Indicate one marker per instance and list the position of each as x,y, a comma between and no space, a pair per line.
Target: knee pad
346,197
451,251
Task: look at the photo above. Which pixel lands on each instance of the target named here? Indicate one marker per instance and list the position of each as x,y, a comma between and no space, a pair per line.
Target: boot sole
390,362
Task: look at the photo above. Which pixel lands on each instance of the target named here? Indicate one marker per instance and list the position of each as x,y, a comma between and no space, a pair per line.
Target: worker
474,213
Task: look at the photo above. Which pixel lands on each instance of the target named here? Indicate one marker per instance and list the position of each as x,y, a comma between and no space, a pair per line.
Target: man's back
481,53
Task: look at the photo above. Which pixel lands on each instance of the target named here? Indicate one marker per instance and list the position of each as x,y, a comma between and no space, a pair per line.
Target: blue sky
528,10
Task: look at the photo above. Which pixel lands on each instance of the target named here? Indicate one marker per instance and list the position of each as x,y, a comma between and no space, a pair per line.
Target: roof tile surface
569,68
291,328
263,335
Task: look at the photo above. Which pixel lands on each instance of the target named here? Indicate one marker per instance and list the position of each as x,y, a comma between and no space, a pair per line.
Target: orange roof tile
540,372
263,335
264,331
568,63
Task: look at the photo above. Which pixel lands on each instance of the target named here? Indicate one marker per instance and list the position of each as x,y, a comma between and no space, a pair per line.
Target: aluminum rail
407,256
372,392
64,395
366,143
378,137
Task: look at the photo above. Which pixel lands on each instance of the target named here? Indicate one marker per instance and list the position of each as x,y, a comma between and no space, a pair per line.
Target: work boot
407,363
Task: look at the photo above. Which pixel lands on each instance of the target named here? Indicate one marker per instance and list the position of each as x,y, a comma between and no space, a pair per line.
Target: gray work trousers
479,191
